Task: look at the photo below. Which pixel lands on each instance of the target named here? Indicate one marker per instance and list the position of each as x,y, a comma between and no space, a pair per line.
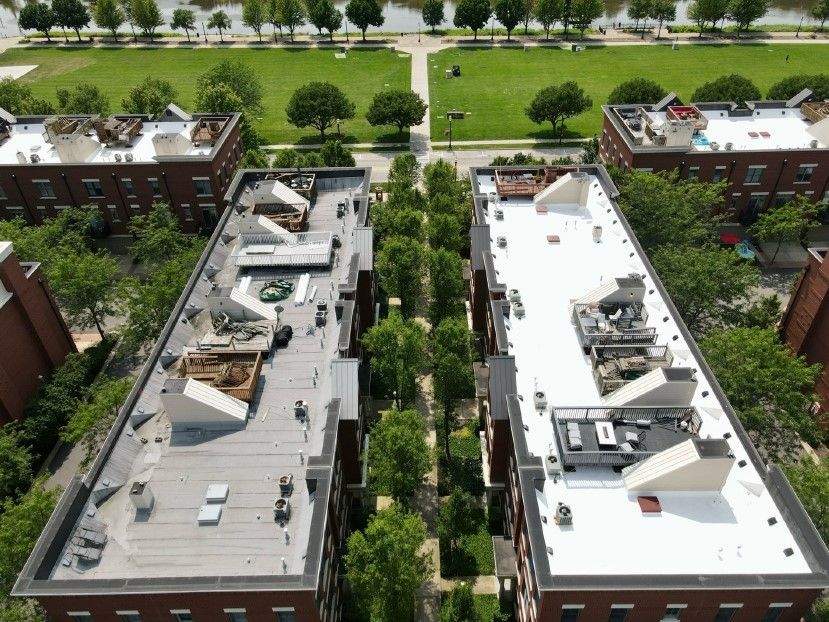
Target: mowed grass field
115,71
496,85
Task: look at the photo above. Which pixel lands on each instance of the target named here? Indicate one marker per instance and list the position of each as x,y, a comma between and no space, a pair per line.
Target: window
726,613
804,173
619,613
754,174
44,188
79,616
781,198
113,213
693,173
186,211
41,213
236,615
284,614
129,188
129,616
774,612
3,193
719,173
571,613
203,188
155,187
93,187
182,615
673,612
208,215
15,211
755,204
135,210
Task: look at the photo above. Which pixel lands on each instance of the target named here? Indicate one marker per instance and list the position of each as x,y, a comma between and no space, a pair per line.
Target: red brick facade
35,337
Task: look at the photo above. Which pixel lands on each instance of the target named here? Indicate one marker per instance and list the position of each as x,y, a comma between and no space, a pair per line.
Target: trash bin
448,73
574,47
456,70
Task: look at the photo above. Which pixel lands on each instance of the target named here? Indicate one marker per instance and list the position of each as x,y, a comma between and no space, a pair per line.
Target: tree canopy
325,16
452,377
663,11
767,384
399,264
220,21
158,236
472,14
398,454
17,98
83,99
334,154
398,107
184,19
583,12
291,14
702,12
731,88
385,564
460,605
820,12
455,518
318,105
71,14
37,16
150,97
110,15
636,91
792,85
255,16
786,223
509,13
397,348
447,290
745,12
810,481
548,12
239,78
15,464
432,13
147,16
364,13
556,104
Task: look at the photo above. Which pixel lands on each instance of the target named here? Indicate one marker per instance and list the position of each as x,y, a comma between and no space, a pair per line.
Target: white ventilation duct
695,465
666,386
239,305
190,403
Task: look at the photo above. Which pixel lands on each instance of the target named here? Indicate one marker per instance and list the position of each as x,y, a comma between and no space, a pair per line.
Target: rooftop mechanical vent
540,399
282,510
564,515
286,484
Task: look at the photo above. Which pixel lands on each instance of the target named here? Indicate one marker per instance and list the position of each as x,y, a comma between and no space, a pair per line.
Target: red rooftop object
649,505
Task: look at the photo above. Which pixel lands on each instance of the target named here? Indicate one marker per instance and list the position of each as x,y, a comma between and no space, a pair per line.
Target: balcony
612,323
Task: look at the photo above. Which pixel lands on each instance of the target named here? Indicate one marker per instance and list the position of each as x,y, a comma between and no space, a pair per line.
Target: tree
15,464
37,16
705,284
786,223
399,266
385,564
184,19
703,11
444,231
324,15
364,13
85,286
220,21
791,86
274,18
821,12
398,352
548,12
255,16
334,154
452,377
744,12
17,98
318,105
21,524
241,79
158,236
398,455
663,210
639,10
439,178
398,107
404,171
810,480
126,6
636,91
83,99
472,14
433,13
71,14
555,104
150,97
218,98
527,11
94,417
291,15
460,605
147,16
108,14
254,158
446,287
509,13
768,385
455,518
583,12
662,11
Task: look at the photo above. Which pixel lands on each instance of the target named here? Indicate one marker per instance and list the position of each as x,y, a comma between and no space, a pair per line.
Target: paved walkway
480,585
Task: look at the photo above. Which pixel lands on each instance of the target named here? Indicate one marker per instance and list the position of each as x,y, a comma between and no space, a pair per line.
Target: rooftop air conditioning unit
813,144
564,515
117,157
35,158
301,409
128,157
540,399
729,146
519,309
319,318
514,295
286,484
499,213
553,465
281,510
715,146
501,241
493,198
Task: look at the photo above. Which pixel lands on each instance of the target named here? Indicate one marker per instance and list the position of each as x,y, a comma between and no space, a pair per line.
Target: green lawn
360,75
473,554
488,607
496,85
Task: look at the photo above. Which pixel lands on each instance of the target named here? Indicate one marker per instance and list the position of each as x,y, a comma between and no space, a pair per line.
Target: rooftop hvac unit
117,157
514,295
21,157
552,464
301,409
499,213
35,158
282,510
519,309
286,484
813,144
501,241
715,146
564,515
493,198
319,318
128,157
540,399
729,146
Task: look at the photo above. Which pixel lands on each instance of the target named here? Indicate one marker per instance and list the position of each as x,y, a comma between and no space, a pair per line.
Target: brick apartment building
805,324
123,164
767,152
35,337
223,491
629,489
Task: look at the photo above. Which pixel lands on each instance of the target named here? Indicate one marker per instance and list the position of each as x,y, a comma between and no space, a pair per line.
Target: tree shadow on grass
316,139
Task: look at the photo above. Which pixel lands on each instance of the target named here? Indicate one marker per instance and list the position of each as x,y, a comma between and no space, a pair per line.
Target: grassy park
116,70
497,84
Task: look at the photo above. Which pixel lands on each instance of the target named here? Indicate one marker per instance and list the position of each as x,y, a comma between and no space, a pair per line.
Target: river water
405,15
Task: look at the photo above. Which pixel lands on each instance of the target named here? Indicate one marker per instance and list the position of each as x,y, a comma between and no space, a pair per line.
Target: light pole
492,31
453,114
418,32
346,31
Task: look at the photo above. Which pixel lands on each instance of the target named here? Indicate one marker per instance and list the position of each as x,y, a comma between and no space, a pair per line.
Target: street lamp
418,32
492,31
346,31
453,114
